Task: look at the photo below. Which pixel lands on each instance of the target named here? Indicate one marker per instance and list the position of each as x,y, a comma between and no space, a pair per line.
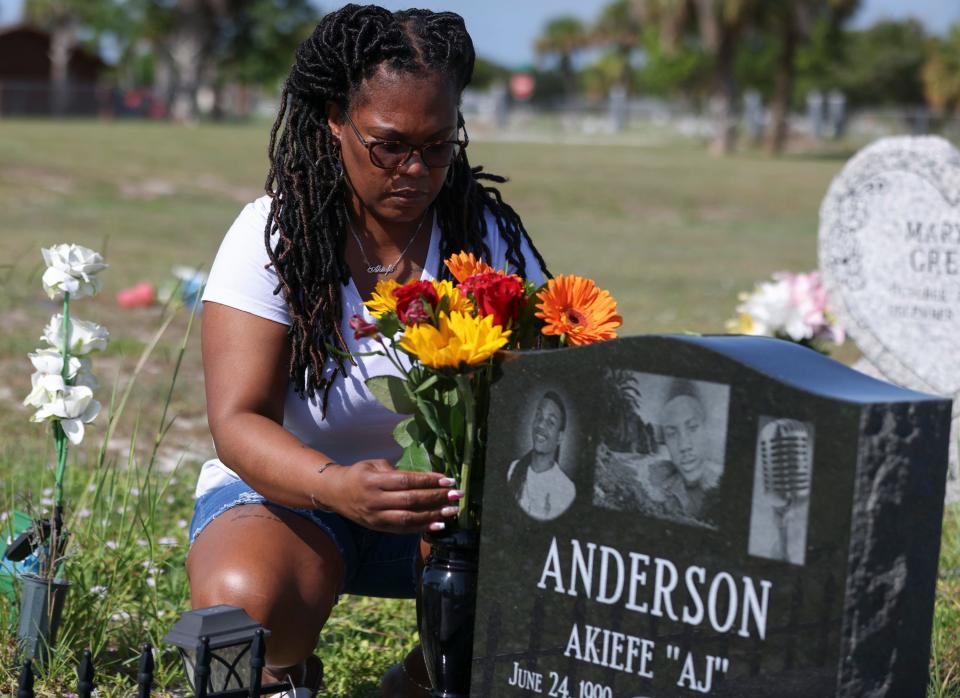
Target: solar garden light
222,649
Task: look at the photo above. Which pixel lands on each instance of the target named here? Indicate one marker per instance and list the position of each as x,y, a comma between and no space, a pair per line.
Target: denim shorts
375,564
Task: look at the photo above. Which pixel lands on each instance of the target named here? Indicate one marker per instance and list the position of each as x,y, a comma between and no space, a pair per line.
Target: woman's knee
286,591
294,622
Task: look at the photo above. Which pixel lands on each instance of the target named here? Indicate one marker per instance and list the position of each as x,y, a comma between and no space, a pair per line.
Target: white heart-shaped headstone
890,259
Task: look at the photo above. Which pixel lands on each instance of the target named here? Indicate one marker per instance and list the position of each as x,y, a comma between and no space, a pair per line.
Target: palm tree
720,25
792,21
562,37
619,25
941,74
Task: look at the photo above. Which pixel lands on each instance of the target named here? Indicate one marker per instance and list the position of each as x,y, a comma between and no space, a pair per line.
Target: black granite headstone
731,516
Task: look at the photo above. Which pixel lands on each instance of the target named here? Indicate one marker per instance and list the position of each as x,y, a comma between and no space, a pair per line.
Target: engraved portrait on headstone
662,446
782,480
640,588
536,479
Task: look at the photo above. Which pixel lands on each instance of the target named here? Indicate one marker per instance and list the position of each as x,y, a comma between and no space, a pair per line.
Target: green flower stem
445,448
466,393
395,360
59,436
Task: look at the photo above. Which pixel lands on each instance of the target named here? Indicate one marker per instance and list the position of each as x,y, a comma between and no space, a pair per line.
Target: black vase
446,607
41,606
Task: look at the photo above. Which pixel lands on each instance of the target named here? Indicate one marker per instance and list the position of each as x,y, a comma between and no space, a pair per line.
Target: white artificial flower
73,406
792,306
71,269
771,310
49,360
46,388
189,274
84,336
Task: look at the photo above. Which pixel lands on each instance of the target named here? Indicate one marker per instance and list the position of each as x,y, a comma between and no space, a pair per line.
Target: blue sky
504,29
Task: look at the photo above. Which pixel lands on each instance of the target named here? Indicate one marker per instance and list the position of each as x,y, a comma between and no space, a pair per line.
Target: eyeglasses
389,155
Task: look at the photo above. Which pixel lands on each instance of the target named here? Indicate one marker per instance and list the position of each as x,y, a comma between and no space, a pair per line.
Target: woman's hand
375,494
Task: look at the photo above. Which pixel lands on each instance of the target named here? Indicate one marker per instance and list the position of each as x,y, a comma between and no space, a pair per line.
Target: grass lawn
672,233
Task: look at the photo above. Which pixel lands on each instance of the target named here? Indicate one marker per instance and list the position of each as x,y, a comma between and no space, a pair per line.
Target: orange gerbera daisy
575,308
463,265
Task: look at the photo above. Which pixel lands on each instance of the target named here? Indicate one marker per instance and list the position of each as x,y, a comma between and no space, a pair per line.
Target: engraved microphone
786,458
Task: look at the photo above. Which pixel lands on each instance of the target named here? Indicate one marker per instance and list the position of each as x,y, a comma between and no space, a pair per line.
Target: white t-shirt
545,495
357,426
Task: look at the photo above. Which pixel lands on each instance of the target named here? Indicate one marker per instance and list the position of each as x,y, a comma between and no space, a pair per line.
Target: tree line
177,46
704,51
709,51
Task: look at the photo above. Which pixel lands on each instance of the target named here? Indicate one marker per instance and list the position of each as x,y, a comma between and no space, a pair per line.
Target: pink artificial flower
361,328
808,294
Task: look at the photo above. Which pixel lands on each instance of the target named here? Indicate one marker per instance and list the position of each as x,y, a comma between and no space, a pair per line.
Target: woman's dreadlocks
308,211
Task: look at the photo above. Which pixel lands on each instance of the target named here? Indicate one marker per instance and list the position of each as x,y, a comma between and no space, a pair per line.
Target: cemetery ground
673,233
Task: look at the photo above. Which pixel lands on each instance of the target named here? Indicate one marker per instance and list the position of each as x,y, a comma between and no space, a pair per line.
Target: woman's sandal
310,679
407,678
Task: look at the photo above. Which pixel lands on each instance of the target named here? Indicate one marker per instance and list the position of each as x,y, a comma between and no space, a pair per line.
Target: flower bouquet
445,339
454,333
791,307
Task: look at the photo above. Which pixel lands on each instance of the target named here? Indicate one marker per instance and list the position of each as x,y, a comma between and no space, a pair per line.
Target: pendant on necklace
380,269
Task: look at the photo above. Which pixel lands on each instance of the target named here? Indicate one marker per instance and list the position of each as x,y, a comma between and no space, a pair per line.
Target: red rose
410,301
496,294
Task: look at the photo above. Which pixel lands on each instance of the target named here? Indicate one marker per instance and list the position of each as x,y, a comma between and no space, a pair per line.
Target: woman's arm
245,364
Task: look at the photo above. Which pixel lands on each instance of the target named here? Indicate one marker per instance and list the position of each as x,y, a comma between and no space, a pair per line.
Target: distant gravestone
729,516
619,108
836,113
754,114
890,259
815,115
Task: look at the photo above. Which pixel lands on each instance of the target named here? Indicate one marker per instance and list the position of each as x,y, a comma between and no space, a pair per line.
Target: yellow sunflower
459,339
463,265
574,307
383,301
459,302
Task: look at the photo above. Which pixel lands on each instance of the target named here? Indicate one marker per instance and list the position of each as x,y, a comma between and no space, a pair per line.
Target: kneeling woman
369,180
